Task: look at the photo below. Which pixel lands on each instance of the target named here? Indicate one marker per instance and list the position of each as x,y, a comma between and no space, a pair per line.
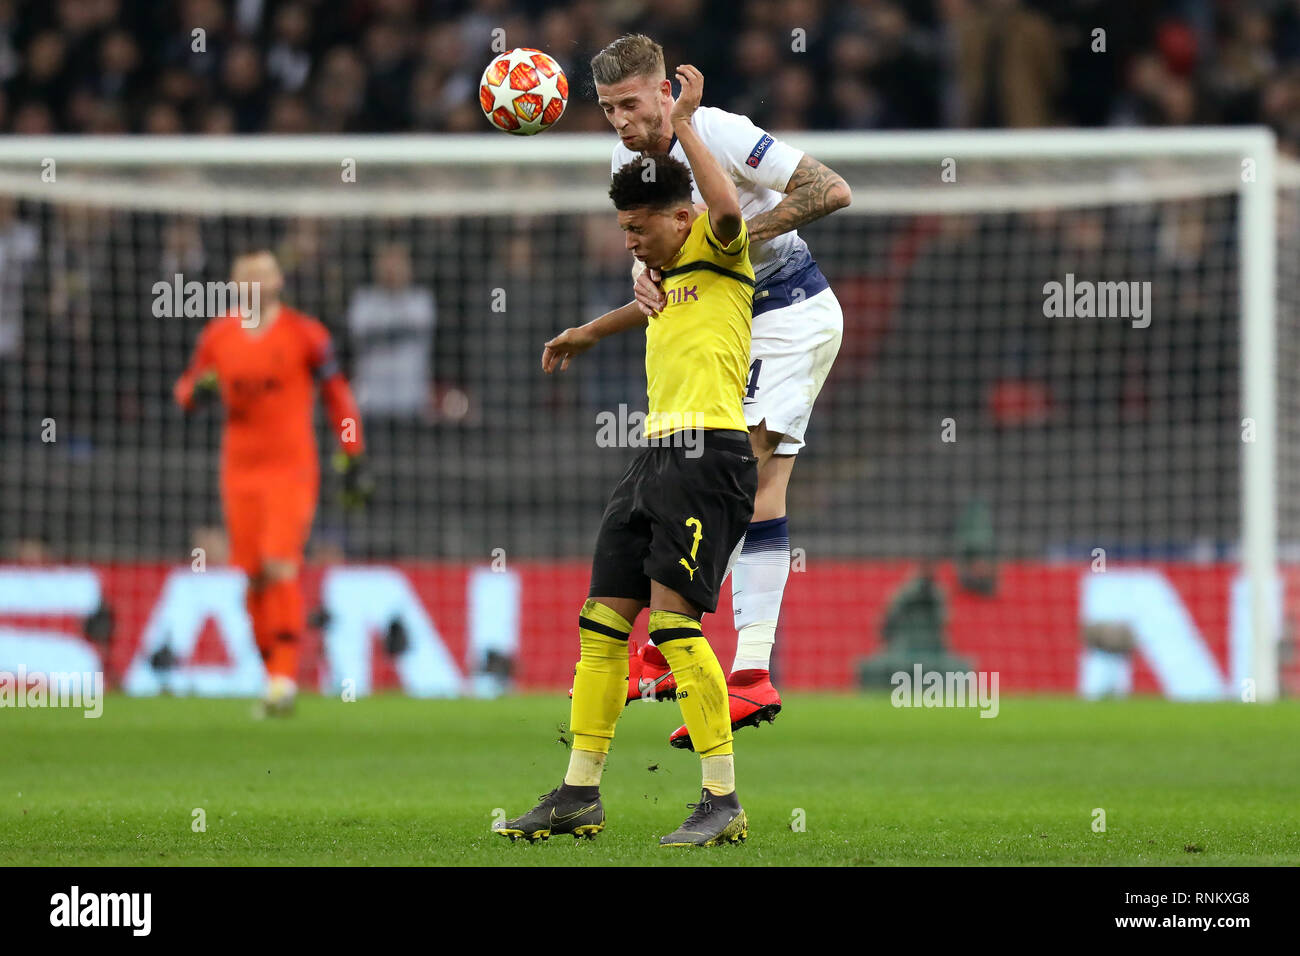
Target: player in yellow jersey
797,329
684,502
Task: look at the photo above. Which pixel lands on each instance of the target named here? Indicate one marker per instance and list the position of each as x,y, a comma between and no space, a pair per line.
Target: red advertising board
1028,629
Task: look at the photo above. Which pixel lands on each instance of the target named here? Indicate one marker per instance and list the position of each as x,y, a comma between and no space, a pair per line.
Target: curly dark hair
655,180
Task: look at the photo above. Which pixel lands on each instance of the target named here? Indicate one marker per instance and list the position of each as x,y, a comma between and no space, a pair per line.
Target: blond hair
631,55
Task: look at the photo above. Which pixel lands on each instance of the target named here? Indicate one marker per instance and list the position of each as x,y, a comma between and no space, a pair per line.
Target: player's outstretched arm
561,350
814,190
716,188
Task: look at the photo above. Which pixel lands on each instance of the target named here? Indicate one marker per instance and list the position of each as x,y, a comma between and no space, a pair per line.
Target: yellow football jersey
697,348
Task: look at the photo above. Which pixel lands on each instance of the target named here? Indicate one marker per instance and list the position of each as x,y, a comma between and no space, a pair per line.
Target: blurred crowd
460,455
301,66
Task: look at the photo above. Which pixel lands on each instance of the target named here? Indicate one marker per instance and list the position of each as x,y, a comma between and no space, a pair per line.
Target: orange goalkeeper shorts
268,516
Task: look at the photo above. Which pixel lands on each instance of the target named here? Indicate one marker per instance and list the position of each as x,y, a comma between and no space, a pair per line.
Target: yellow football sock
719,774
600,679
701,685
585,768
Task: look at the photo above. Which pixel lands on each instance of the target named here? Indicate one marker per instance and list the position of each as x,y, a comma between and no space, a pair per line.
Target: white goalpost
1163,437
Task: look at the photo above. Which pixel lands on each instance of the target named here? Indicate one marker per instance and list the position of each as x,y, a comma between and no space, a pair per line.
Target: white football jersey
758,164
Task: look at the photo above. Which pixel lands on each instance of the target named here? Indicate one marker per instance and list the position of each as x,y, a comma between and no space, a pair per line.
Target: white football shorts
791,352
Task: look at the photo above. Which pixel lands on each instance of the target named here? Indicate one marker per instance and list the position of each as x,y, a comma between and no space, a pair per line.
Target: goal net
1057,445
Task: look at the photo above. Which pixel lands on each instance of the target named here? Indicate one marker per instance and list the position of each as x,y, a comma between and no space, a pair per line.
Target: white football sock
757,587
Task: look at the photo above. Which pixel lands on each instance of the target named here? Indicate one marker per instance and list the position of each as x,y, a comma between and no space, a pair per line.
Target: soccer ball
523,92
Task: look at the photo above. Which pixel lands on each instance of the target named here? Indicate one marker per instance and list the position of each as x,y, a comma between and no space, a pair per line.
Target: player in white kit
796,335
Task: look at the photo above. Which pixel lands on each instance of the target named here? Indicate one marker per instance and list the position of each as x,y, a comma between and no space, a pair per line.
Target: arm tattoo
814,191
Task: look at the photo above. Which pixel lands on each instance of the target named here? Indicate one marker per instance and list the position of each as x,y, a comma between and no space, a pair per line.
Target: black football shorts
675,517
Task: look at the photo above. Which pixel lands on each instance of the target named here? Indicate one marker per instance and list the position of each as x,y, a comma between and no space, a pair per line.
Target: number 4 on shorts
755,367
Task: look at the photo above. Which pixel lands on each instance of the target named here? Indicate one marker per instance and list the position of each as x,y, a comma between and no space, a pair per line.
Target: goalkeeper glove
204,391
358,485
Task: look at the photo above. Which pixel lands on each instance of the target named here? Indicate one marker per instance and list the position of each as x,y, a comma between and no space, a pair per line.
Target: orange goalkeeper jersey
267,384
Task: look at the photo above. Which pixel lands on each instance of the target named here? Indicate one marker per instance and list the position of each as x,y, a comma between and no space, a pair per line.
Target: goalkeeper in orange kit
266,366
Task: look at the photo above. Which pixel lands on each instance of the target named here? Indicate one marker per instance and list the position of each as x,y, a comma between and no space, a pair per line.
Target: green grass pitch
390,780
